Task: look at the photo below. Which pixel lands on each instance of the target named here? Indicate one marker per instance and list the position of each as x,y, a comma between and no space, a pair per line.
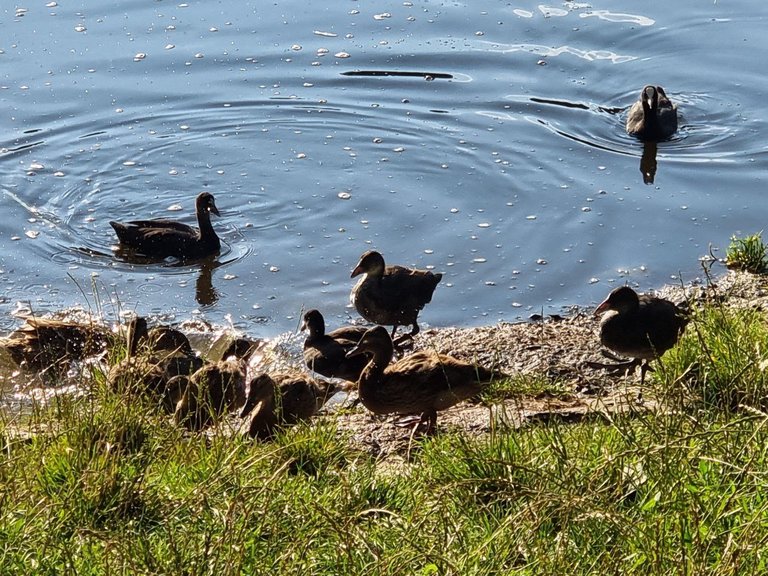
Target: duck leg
645,367
430,417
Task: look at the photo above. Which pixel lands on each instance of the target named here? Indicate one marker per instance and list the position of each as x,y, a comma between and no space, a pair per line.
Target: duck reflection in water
205,293
648,162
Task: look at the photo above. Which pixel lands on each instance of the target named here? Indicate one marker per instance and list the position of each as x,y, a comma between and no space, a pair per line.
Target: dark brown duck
653,116
326,354
161,238
641,327
422,383
391,295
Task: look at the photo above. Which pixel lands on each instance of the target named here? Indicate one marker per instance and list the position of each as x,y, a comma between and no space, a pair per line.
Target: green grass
748,253
111,487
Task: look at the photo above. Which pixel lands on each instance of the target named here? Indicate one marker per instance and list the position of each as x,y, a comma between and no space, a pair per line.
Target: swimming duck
391,295
282,399
424,382
641,327
326,354
653,116
41,344
215,389
161,238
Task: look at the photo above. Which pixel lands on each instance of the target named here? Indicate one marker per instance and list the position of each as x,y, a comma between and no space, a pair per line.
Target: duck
423,383
138,373
43,344
282,399
213,390
153,357
173,351
641,327
326,354
163,238
653,116
391,295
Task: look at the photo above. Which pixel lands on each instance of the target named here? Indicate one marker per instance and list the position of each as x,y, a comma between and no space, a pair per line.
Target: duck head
649,97
371,262
374,340
622,299
314,323
205,203
260,388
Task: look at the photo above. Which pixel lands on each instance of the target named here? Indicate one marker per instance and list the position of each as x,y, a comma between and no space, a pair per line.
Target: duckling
653,116
391,295
216,388
41,344
326,354
280,400
137,373
641,327
161,238
173,351
424,382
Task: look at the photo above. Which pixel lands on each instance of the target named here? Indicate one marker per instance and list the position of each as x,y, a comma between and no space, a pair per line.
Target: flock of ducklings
161,364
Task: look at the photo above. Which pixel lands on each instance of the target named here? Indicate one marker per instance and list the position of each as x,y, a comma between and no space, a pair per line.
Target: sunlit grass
748,253
108,485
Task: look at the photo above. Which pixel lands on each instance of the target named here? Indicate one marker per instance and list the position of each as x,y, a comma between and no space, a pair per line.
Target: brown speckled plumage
421,383
280,400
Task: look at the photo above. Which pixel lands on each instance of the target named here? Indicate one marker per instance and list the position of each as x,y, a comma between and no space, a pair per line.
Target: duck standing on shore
161,238
326,354
391,295
653,116
421,383
641,327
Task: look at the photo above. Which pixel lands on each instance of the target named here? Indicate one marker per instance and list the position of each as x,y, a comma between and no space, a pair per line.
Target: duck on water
161,237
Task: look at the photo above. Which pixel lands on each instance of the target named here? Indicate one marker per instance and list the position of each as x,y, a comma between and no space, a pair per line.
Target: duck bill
356,351
603,307
250,402
357,271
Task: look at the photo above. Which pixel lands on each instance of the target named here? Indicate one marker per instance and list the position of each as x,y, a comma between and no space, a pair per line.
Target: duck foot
624,367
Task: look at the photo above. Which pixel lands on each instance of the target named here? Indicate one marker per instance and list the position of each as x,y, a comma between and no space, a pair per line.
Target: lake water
514,176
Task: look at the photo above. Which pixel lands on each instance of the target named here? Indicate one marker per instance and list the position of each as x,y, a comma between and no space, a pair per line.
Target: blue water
514,177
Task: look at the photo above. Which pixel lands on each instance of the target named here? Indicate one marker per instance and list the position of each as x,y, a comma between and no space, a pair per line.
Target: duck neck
207,232
316,331
380,359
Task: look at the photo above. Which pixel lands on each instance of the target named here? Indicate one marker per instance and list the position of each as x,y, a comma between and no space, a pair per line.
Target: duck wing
422,382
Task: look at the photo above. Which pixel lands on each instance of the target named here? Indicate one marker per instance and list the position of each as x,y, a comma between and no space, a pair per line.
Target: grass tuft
748,254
